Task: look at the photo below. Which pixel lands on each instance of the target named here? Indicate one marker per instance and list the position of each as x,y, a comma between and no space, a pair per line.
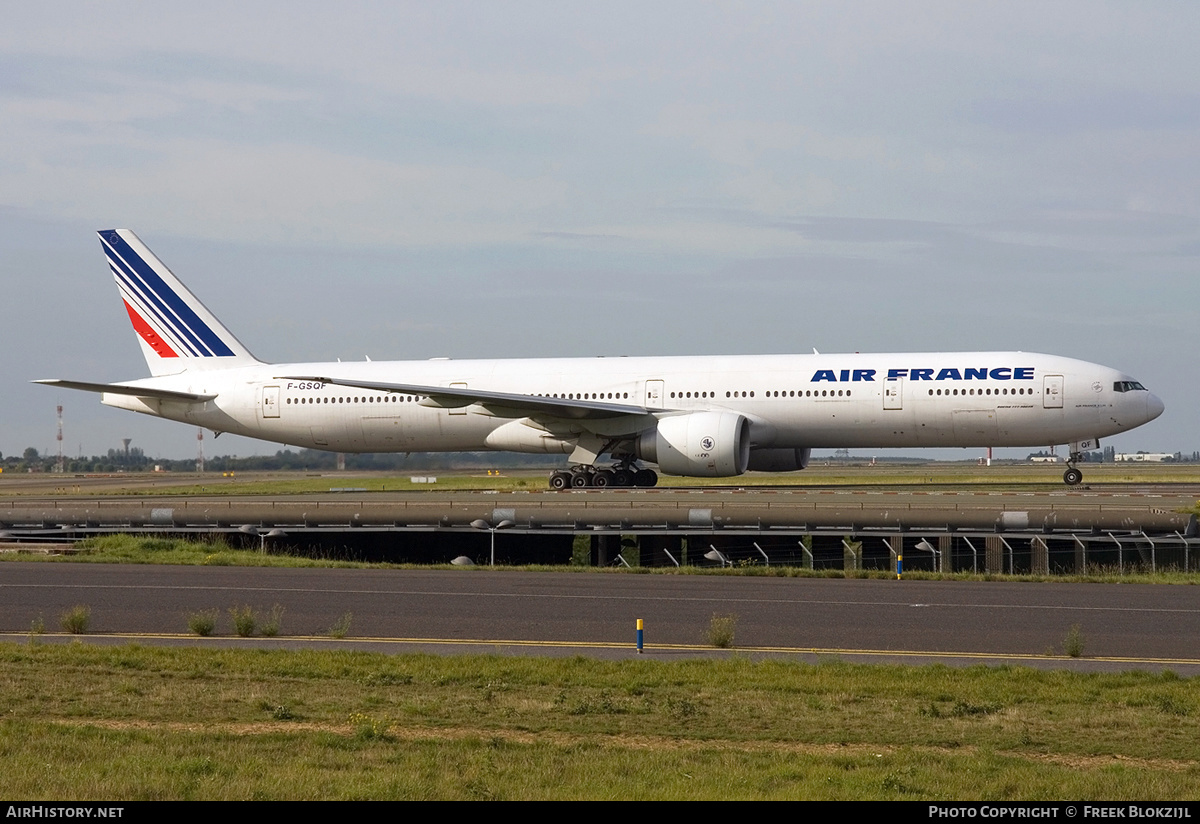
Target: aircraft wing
123,389
502,404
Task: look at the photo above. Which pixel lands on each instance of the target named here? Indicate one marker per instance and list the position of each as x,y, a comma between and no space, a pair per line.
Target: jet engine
779,460
699,444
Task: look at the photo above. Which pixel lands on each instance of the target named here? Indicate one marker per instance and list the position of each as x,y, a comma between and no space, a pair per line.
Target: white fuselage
692,416
832,401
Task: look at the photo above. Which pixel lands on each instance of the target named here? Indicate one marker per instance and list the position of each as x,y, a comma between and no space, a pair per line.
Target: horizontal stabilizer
123,389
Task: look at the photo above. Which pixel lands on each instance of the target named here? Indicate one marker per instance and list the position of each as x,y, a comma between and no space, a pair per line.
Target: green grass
721,630
203,623
77,619
1073,642
244,620
271,624
341,626
126,723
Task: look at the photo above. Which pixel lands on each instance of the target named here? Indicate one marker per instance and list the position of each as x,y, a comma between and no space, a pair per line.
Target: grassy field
127,723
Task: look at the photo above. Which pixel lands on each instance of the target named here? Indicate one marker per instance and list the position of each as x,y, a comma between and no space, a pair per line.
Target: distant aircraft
705,417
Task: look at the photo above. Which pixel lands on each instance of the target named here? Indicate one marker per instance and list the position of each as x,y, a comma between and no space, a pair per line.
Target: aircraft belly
973,427
1024,424
384,433
211,415
420,430
425,430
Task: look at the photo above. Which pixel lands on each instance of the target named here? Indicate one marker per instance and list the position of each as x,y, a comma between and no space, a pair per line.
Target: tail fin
175,329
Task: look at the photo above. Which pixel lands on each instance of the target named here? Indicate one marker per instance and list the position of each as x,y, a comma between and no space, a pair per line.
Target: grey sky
523,179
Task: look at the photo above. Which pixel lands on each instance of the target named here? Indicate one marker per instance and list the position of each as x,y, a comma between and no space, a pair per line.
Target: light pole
480,523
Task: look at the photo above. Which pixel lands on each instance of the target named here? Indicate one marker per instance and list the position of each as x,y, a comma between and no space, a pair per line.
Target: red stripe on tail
149,335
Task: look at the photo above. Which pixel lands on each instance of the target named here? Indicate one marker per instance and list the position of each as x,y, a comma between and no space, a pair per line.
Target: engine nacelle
701,444
779,460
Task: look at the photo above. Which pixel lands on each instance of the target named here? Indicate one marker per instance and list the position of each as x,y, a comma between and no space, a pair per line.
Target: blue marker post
639,636
899,565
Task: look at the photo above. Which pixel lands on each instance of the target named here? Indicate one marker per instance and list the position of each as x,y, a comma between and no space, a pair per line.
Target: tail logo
162,317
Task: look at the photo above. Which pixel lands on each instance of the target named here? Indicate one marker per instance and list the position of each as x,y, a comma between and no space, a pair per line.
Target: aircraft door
654,394
893,393
1052,392
270,402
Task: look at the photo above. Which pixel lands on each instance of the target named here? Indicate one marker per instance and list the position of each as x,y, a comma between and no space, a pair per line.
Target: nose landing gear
1073,476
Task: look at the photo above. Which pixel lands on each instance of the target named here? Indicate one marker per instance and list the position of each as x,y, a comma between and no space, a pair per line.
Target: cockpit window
1128,386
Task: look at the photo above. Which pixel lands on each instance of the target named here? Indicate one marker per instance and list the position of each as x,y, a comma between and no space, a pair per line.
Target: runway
594,614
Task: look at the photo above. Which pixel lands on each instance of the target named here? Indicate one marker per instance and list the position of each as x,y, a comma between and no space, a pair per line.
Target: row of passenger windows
810,393
792,393
356,399
1004,391
584,396
805,393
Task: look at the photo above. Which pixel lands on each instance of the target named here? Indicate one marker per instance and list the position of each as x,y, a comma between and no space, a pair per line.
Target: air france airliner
705,417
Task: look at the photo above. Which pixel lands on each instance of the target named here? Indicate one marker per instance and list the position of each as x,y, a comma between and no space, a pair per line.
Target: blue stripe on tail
190,324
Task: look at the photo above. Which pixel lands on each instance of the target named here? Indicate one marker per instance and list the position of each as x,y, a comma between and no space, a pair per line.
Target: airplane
702,416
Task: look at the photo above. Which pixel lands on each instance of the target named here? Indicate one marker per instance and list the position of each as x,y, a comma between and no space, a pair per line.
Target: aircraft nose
1154,407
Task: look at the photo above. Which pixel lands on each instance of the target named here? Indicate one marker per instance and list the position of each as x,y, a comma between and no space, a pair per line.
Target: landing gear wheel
645,477
1072,477
560,480
603,478
622,477
581,480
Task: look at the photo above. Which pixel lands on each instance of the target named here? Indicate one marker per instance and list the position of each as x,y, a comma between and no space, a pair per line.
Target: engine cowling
779,460
700,444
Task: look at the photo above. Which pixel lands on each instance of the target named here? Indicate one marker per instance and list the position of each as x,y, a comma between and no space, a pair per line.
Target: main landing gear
621,475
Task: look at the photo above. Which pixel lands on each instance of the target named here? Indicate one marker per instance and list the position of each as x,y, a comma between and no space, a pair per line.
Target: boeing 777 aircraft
699,416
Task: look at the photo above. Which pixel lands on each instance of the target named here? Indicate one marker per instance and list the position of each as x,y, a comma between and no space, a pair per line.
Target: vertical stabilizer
176,331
